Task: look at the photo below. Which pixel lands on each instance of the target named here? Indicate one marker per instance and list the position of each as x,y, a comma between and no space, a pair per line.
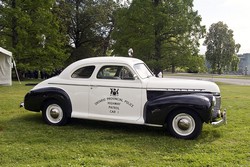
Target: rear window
83,72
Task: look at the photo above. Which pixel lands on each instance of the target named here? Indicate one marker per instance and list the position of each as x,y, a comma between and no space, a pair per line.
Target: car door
115,94
78,88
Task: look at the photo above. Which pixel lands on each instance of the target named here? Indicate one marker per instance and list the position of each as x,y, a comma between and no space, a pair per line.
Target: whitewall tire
184,124
54,113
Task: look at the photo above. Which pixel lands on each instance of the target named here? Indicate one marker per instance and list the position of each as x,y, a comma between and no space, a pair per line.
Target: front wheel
54,113
184,124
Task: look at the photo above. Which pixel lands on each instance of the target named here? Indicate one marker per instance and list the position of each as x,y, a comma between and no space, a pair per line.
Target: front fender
157,110
35,99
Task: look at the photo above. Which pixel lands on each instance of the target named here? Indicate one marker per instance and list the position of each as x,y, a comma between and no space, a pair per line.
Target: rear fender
35,99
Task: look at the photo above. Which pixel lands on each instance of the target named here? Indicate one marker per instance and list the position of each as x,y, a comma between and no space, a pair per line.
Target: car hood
171,84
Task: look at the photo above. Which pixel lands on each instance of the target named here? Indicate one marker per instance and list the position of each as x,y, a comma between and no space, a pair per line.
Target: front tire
54,113
184,124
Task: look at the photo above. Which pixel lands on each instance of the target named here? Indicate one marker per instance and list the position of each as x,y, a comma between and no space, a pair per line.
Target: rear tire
54,113
184,124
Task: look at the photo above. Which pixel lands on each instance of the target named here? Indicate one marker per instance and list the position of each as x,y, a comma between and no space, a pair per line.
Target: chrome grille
216,110
218,103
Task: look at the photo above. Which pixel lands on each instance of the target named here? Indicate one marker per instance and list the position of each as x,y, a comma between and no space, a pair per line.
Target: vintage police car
120,89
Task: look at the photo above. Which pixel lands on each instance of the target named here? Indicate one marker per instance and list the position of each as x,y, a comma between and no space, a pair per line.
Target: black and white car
120,89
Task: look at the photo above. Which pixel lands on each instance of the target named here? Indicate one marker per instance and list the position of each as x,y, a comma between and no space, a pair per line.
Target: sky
234,13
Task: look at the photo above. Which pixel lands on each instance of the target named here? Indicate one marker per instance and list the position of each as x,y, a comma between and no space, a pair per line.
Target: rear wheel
184,124
54,113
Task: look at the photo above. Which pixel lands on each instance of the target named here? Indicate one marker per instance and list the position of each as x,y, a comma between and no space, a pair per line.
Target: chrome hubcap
183,124
54,113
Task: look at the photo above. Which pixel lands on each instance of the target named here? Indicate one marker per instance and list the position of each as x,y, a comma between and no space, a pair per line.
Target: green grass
25,140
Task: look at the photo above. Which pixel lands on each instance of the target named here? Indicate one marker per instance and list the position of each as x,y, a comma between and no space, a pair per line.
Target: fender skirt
35,99
157,110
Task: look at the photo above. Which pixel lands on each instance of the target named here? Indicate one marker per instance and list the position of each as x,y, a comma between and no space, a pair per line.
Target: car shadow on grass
35,120
115,127
89,126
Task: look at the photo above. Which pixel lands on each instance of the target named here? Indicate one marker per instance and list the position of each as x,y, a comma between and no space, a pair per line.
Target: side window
126,74
115,72
83,72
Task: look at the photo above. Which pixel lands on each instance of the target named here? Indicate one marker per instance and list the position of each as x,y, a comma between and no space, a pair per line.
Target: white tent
5,67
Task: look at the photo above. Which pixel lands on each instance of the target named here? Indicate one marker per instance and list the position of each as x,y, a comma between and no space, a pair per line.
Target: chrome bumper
21,104
223,120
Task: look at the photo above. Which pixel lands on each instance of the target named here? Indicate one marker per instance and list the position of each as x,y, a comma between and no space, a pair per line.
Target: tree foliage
43,35
31,31
234,66
160,31
89,25
221,47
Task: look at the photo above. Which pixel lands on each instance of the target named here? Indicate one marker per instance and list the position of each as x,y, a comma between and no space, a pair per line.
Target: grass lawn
25,140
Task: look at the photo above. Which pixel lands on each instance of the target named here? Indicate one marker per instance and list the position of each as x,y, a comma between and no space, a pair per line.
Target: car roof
110,59
99,60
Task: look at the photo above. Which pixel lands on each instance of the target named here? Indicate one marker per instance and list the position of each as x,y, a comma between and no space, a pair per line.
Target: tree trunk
173,68
219,71
156,2
157,36
157,47
106,41
158,42
14,35
77,28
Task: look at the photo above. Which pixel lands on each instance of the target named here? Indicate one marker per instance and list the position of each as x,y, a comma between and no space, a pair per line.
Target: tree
196,64
89,25
221,47
160,31
235,63
31,31
105,24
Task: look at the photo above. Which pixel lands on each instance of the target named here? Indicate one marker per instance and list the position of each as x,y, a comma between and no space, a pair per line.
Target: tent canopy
5,67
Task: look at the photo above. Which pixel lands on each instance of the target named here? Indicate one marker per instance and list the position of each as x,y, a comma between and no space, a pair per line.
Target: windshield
143,70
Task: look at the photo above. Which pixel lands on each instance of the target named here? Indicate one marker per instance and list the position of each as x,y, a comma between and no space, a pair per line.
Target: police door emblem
114,92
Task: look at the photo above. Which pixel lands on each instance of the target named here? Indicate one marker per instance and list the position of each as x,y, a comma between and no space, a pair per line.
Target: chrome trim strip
95,85
153,125
149,89
67,84
176,89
